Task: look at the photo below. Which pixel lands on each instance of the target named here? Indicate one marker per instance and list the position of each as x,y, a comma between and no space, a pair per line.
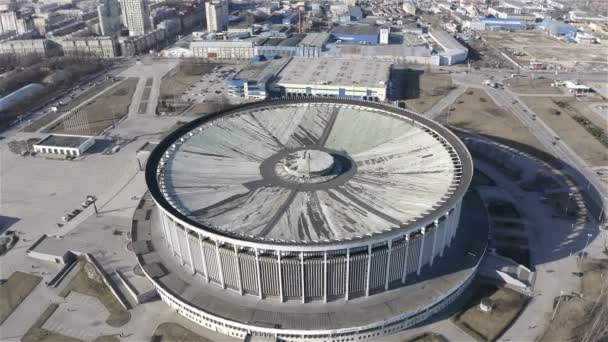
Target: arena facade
269,216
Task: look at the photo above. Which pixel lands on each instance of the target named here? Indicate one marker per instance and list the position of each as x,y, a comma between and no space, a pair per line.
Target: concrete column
407,247
168,236
388,264
179,245
189,250
280,275
302,276
446,225
346,286
200,243
219,263
325,276
423,231
238,268
435,233
369,265
450,227
259,273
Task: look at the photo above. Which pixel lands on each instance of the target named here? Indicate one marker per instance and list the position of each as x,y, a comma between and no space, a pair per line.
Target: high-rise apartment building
108,12
136,16
217,15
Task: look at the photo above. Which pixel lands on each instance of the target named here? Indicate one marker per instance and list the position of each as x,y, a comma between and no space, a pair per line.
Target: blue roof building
357,34
558,28
500,24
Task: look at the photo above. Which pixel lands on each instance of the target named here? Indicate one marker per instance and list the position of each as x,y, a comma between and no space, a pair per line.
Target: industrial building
495,24
69,145
357,34
253,81
558,28
308,213
289,47
452,52
332,77
224,49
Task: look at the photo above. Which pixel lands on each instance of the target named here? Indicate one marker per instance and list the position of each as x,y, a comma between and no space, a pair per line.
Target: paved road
508,100
445,102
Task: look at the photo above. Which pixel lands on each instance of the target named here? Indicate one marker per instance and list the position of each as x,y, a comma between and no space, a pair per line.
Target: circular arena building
312,219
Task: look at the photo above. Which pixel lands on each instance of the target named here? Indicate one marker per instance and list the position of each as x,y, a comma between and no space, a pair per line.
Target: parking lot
212,85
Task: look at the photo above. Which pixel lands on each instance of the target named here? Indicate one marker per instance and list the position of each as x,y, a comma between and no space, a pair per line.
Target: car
76,212
86,204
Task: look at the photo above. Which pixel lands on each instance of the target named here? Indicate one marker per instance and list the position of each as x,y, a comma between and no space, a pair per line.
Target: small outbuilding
70,145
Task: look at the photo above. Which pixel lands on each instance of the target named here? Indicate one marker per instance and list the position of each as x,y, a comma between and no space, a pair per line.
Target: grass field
432,87
427,337
172,332
82,283
575,317
50,117
98,114
488,326
476,111
14,291
527,86
561,114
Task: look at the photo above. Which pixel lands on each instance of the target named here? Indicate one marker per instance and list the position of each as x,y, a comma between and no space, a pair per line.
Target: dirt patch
528,86
211,106
583,318
476,111
14,291
524,46
488,326
88,282
98,114
170,332
37,334
431,87
427,337
563,116
50,117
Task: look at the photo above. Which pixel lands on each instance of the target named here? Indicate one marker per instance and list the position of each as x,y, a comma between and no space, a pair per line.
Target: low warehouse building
329,77
452,52
253,80
71,145
357,34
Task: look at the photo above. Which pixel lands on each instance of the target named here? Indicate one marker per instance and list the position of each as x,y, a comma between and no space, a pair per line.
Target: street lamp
589,235
568,203
561,293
